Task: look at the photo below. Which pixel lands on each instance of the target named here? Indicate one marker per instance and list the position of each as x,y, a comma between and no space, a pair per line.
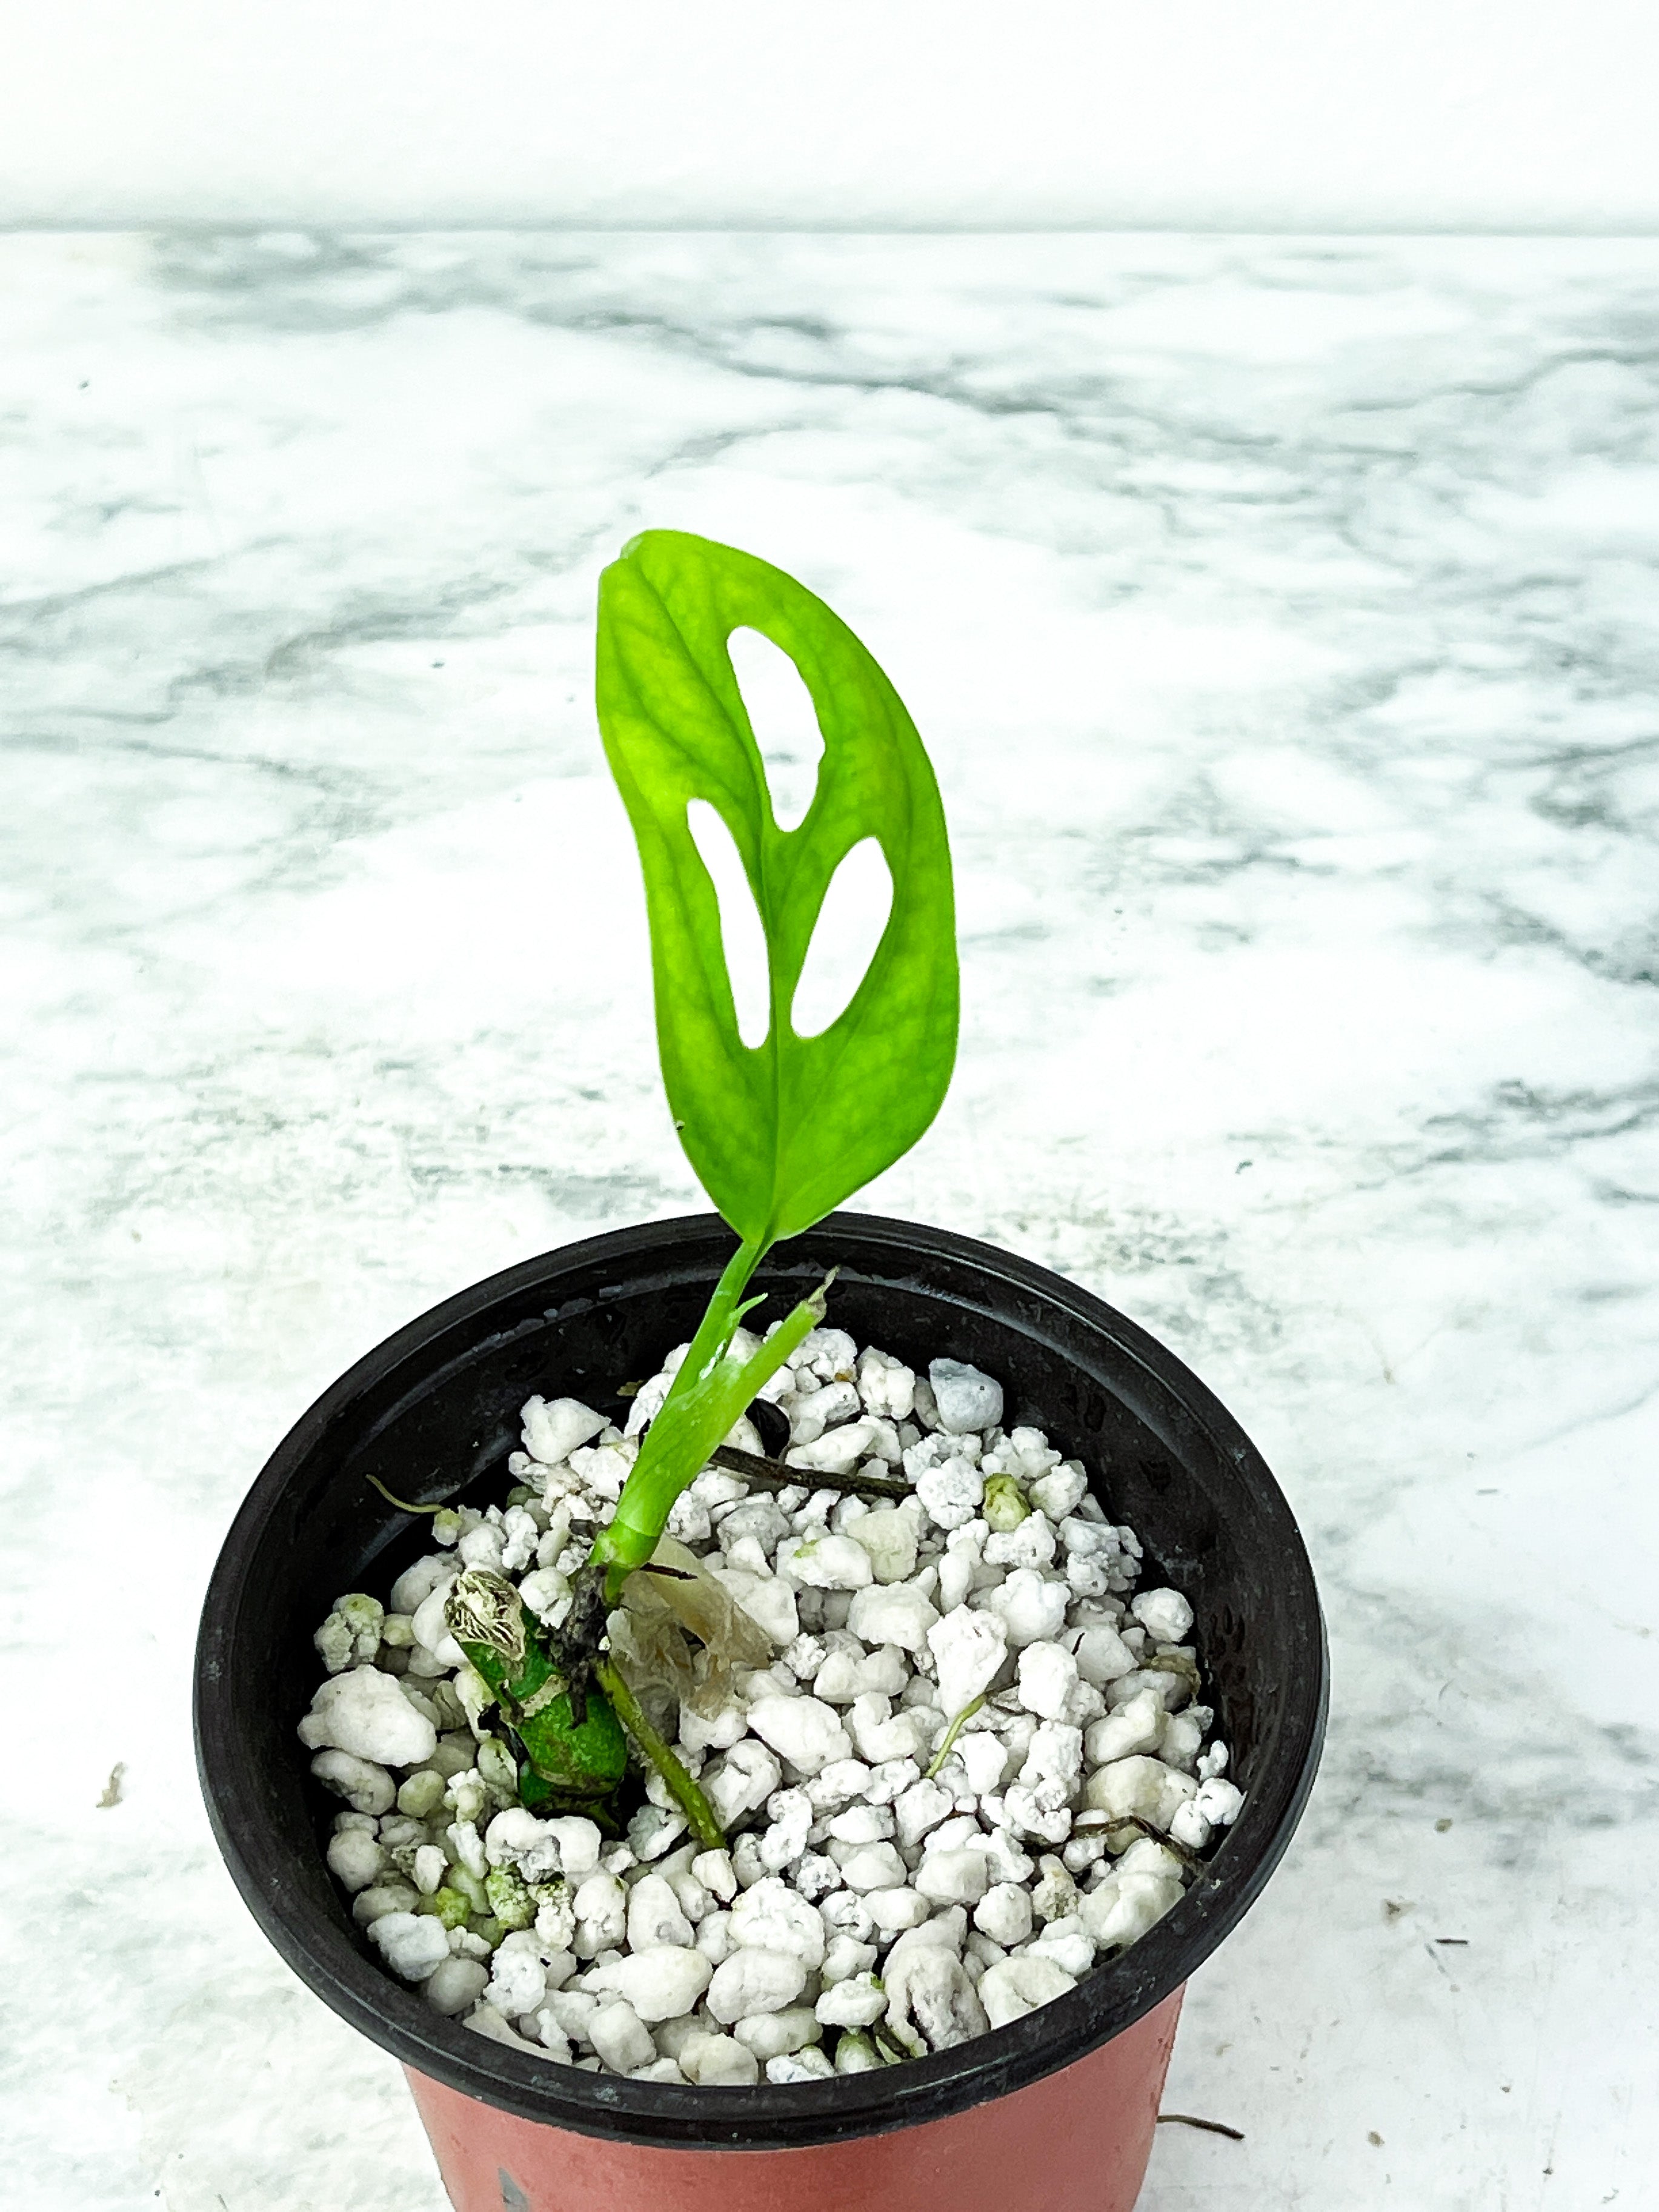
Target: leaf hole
785,722
845,937
743,935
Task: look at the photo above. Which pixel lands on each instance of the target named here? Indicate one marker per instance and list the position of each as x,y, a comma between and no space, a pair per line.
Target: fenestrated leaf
782,1132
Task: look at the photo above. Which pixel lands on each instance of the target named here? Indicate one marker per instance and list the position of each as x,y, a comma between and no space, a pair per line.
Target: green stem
630,1537
689,1799
714,1329
402,1504
952,1733
710,1391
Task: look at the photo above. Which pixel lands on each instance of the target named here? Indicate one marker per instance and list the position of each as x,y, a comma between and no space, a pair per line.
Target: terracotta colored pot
1074,2139
1053,2114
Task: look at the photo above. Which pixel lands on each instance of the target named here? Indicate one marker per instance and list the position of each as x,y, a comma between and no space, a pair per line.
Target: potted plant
927,1930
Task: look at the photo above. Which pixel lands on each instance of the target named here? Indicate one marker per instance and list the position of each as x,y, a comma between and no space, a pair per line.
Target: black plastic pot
433,1411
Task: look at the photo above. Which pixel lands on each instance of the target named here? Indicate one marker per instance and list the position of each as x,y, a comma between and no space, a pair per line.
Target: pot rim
327,1955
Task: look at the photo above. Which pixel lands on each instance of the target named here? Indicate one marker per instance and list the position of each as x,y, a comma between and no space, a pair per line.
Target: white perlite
974,1769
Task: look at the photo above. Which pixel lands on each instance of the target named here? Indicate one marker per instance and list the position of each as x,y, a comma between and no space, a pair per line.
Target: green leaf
782,1132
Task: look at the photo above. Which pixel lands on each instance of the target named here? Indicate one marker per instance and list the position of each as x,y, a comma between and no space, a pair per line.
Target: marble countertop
1281,616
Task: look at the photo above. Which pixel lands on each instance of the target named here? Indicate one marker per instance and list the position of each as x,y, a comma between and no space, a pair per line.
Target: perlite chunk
755,1980
350,1636
837,1451
742,1782
858,2002
366,1714
1125,1906
825,1562
952,1491
454,1984
366,1787
771,1915
411,1943
1141,1786
621,2037
1019,1985
893,1612
1047,1677
886,1387
1102,1655
966,1399
718,2062
777,2034
804,1731
354,1859
1031,1608
509,1900
969,1649
888,1533
1129,1730
554,1428
1164,1614
931,2003
958,1877
1004,1913
662,1982
808,2065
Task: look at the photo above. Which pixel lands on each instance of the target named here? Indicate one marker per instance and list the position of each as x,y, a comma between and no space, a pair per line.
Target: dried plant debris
1209,2127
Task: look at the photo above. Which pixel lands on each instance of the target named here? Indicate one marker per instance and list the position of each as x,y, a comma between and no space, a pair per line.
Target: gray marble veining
1281,616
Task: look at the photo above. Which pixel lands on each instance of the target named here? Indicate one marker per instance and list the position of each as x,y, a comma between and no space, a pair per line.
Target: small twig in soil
774,1475
113,1788
1210,2127
753,1467
1188,1858
1461,1941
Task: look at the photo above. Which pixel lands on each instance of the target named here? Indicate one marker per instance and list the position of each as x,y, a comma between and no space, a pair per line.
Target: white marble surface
1282,620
